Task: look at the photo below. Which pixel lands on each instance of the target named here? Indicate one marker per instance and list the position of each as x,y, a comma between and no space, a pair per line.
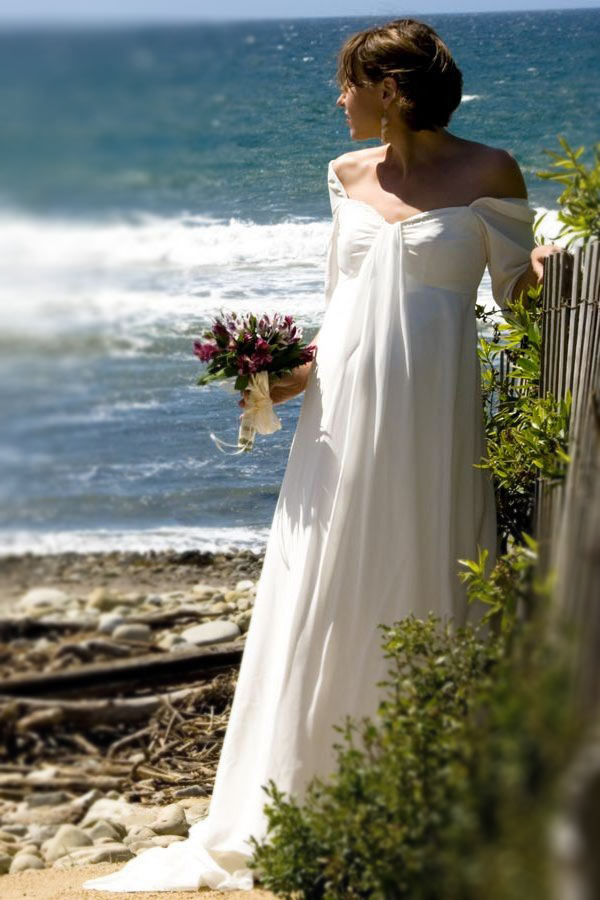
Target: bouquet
254,351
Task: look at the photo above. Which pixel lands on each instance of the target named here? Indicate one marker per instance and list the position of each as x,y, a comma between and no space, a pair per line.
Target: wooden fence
568,513
570,346
570,350
570,525
567,527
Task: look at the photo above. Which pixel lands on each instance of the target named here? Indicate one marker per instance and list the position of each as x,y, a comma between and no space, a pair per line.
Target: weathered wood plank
148,669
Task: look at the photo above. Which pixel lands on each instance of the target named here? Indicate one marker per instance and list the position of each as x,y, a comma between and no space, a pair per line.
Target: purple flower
205,351
246,364
262,347
220,331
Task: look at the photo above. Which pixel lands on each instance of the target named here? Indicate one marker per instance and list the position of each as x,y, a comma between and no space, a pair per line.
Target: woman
380,496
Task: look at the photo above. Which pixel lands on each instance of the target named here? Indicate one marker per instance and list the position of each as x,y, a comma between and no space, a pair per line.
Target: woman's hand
538,254
283,387
534,275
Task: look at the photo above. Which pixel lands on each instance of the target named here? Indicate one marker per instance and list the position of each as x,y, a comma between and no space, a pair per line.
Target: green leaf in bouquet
241,382
210,376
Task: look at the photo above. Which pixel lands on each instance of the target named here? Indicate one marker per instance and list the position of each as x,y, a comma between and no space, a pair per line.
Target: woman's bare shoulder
496,169
351,166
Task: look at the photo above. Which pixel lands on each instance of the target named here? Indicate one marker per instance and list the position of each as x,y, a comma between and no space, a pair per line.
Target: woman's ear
390,88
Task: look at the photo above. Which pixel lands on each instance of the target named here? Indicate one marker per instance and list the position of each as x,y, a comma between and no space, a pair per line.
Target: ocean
152,175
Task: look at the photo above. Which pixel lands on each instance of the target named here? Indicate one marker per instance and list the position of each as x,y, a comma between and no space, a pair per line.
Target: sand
59,884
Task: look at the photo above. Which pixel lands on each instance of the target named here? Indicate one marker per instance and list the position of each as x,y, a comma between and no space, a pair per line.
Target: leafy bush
580,199
510,588
526,435
428,797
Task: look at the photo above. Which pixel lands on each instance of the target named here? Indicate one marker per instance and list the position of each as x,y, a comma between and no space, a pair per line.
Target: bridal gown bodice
380,498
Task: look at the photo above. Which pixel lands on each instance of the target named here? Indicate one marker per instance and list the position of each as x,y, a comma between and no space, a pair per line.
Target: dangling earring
384,124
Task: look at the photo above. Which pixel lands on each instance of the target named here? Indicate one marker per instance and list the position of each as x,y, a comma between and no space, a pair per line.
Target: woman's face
363,110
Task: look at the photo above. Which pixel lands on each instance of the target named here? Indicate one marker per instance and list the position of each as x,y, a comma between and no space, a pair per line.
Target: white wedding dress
379,499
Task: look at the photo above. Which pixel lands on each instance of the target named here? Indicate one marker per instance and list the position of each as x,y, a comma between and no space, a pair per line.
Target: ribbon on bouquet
258,415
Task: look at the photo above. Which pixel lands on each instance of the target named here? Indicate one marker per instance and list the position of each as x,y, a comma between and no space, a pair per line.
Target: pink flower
246,364
262,347
205,351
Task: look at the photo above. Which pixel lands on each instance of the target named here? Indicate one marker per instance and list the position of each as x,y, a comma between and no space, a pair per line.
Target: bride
380,495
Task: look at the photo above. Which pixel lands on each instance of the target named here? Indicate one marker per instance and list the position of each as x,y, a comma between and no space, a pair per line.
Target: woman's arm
534,275
288,386
509,182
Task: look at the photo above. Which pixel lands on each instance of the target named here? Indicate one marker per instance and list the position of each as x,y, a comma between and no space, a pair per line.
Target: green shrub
512,586
580,199
526,435
429,795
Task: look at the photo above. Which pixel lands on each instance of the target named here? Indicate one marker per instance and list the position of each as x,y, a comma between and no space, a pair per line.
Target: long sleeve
336,195
331,262
507,225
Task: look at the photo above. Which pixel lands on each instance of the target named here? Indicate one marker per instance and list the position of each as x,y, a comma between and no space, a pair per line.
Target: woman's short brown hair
428,79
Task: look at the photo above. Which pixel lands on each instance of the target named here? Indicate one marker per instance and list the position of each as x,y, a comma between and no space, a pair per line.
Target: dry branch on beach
141,670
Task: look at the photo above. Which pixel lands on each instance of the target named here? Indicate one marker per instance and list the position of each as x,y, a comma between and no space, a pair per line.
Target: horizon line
158,20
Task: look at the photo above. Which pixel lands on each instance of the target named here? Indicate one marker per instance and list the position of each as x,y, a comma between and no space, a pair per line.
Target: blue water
150,176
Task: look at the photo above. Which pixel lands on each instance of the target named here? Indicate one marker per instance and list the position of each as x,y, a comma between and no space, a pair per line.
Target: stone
246,584
42,598
170,640
138,846
138,833
83,803
195,808
133,632
132,598
86,856
119,811
24,861
30,847
103,599
221,608
115,831
138,757
7,837
42,815
49,798
10,849
42,775
242,620
5,861
66,838
165,840
245,603
108,853
39,833
211,632
18,830
41,644
170,820
173,596
205,591
108,621
192,790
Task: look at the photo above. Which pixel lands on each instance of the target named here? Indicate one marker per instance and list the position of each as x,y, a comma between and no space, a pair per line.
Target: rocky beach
118,672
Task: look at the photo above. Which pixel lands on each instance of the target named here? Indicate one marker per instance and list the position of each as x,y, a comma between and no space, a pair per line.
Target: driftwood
87,712
147,669
79,782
